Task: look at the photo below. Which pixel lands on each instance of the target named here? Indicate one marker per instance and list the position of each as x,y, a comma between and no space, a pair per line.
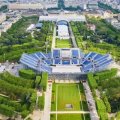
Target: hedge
107,74
7,110
101,108
44,79
28,74
33,101
106,102
15,105
37,81
91,80
25,113
17,81
41,101
118,116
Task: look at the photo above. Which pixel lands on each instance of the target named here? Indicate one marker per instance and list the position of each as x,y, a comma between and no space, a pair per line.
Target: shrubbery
7,101
118,116
44,79
33,101
91,80
41,101
37,81
106,102
107,74
101,109
25,113
28,74
7,110
19,90
13,91
16,80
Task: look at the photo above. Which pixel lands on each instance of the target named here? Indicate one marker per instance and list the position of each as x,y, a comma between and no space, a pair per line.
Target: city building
63,16
33,4
112,20
107,14
24,6
92,5
116,25
2,17
76,3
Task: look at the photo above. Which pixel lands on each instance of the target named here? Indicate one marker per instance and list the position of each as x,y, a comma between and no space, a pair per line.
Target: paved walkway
54,37
69,112
47,107
72,37
91,102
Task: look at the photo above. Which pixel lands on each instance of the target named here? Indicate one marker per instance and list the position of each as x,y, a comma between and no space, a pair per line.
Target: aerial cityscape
59,59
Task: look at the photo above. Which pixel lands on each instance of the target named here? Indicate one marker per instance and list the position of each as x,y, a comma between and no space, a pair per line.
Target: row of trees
14,92
14,43
111,36
101,108
107,74
8,102
107,7
17,81
107,42
19,95
17,34
3,8
104,83
6,110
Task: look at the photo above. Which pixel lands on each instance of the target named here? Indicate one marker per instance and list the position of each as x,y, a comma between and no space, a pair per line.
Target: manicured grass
70,117
63,43
68,94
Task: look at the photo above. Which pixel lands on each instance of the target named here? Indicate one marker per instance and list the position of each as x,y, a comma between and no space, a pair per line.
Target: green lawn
63,43
70,117
68,94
